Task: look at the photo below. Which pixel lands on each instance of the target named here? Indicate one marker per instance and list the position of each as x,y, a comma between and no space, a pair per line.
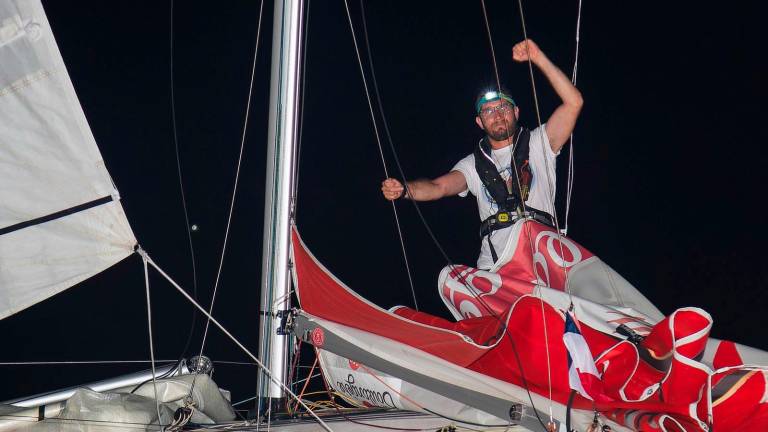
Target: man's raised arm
563,119
449,184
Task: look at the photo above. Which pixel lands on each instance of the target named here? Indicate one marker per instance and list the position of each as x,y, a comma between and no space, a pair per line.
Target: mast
281,156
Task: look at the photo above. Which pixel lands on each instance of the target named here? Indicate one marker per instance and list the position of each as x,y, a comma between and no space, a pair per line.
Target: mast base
272,407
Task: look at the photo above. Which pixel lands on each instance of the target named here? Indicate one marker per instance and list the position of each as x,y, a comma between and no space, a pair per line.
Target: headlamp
491,96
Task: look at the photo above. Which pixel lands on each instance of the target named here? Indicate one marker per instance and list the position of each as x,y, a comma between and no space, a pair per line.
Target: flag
582,372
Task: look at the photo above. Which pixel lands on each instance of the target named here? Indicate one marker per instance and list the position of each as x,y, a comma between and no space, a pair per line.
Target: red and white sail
491,360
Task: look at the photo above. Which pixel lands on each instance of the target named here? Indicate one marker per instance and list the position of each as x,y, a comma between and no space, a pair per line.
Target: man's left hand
525,50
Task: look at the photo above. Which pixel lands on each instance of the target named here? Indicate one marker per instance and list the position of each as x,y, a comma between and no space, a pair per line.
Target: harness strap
504,219
494,255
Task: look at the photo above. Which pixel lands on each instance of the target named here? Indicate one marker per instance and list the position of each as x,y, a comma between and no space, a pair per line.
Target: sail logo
465,285
541,258
318,337
369,397
559,251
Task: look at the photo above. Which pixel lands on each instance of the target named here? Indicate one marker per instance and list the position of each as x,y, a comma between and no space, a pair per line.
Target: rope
303,77
181,417
378,139
181,191
307,378
554,213
330,395
296,348
549,179
538,119
306,382
571,173
517,179
292,384
83,362
436,242
147,259
416,206
151,344
69,421
471,289
234,190
237,177
379,379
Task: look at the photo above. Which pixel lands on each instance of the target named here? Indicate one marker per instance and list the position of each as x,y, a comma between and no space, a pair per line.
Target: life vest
509,199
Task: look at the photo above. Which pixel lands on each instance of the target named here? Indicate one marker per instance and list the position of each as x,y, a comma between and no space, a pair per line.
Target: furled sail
60,216
650,373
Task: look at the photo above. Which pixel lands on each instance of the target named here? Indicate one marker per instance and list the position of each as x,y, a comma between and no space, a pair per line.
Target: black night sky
669,160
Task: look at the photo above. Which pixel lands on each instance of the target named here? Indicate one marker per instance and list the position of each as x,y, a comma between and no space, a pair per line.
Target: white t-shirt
541,160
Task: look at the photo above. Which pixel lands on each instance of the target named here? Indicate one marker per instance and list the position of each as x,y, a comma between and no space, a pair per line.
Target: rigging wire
539,122
338,411
151,344
389,140
462,279
517,178
70,421
237,177
571,173
549,179
181,190
81,362
375,376
303,77
471,289
427,227
226,332
378,140
295,351
234,189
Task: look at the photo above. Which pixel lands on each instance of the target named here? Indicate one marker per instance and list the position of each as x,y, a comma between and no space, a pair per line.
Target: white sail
60,216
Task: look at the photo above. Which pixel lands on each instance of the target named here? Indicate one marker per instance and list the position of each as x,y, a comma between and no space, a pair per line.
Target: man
522,161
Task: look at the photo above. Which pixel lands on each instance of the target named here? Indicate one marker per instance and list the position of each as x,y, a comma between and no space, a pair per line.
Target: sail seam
27,81
56,215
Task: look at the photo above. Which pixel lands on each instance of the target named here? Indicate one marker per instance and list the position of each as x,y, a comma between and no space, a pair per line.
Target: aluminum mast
281,156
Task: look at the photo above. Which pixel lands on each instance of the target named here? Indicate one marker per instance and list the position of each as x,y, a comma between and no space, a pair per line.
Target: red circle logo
318,337
354,365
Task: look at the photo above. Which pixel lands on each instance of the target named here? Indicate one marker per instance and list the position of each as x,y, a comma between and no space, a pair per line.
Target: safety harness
508,199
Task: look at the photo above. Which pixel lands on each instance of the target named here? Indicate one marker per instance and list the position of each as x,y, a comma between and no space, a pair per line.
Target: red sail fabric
540,257
324,296
655,385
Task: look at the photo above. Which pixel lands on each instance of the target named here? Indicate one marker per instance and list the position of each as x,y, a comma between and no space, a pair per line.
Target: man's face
498,119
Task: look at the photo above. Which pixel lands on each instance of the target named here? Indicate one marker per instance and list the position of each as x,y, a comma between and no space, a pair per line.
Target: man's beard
501,134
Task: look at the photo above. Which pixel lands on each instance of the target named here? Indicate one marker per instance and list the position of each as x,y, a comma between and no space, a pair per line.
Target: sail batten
54,216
